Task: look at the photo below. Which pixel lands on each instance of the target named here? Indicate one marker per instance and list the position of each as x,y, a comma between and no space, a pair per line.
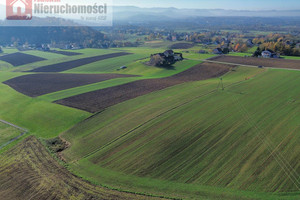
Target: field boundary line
23,132
235,64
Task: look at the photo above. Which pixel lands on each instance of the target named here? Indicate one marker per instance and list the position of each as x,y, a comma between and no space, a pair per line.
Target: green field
108,65
41,118
7,133
232,140
45,119
189,141
46,55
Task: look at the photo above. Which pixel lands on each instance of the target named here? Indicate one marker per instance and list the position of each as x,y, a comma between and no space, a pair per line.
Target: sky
215,4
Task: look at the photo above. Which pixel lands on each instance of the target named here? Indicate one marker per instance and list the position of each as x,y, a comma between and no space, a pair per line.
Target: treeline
85,36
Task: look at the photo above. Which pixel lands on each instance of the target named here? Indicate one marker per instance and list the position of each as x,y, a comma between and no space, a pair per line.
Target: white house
19,4
268,54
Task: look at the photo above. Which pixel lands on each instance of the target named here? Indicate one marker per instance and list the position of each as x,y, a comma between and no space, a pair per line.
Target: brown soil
66,53
266,62
18,59
28,171
34,85
98,100
59,67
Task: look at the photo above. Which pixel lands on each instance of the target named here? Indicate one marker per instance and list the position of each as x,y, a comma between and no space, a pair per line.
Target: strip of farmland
65,53
98,100
34,85
266,62
18,59
59,67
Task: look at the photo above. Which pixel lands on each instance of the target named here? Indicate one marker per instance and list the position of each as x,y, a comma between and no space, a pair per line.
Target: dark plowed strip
34,85
28,171
65,53
18,59
266,62
76,63
98,100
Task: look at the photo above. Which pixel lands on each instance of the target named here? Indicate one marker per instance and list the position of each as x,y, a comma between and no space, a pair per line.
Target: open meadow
195,130
159,141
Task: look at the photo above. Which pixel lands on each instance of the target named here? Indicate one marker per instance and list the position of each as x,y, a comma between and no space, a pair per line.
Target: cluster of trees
285,44
86,36
1,51
240,47
166,59
282,48
154,36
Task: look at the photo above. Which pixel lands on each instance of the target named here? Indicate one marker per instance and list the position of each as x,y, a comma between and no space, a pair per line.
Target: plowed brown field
98,100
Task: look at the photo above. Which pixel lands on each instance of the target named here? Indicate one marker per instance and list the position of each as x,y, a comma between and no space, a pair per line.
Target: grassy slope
109,65
160,101
4,66
291,57
30,112
46,55
214,140
41,118
10,50
7,133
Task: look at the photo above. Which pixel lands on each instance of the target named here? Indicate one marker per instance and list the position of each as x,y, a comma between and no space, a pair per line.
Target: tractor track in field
162,114
23,132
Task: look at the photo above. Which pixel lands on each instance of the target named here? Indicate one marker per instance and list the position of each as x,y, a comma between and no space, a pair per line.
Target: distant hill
61,31
135,13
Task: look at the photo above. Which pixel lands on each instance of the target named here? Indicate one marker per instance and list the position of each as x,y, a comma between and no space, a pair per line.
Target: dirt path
212,60
22,130
227,63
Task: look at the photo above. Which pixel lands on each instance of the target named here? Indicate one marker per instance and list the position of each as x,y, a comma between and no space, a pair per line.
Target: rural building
269,54
217,51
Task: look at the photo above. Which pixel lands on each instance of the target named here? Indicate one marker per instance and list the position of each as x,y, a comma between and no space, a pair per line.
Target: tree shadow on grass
171,67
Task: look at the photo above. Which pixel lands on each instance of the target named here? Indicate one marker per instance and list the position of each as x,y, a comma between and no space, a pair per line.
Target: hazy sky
212,4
